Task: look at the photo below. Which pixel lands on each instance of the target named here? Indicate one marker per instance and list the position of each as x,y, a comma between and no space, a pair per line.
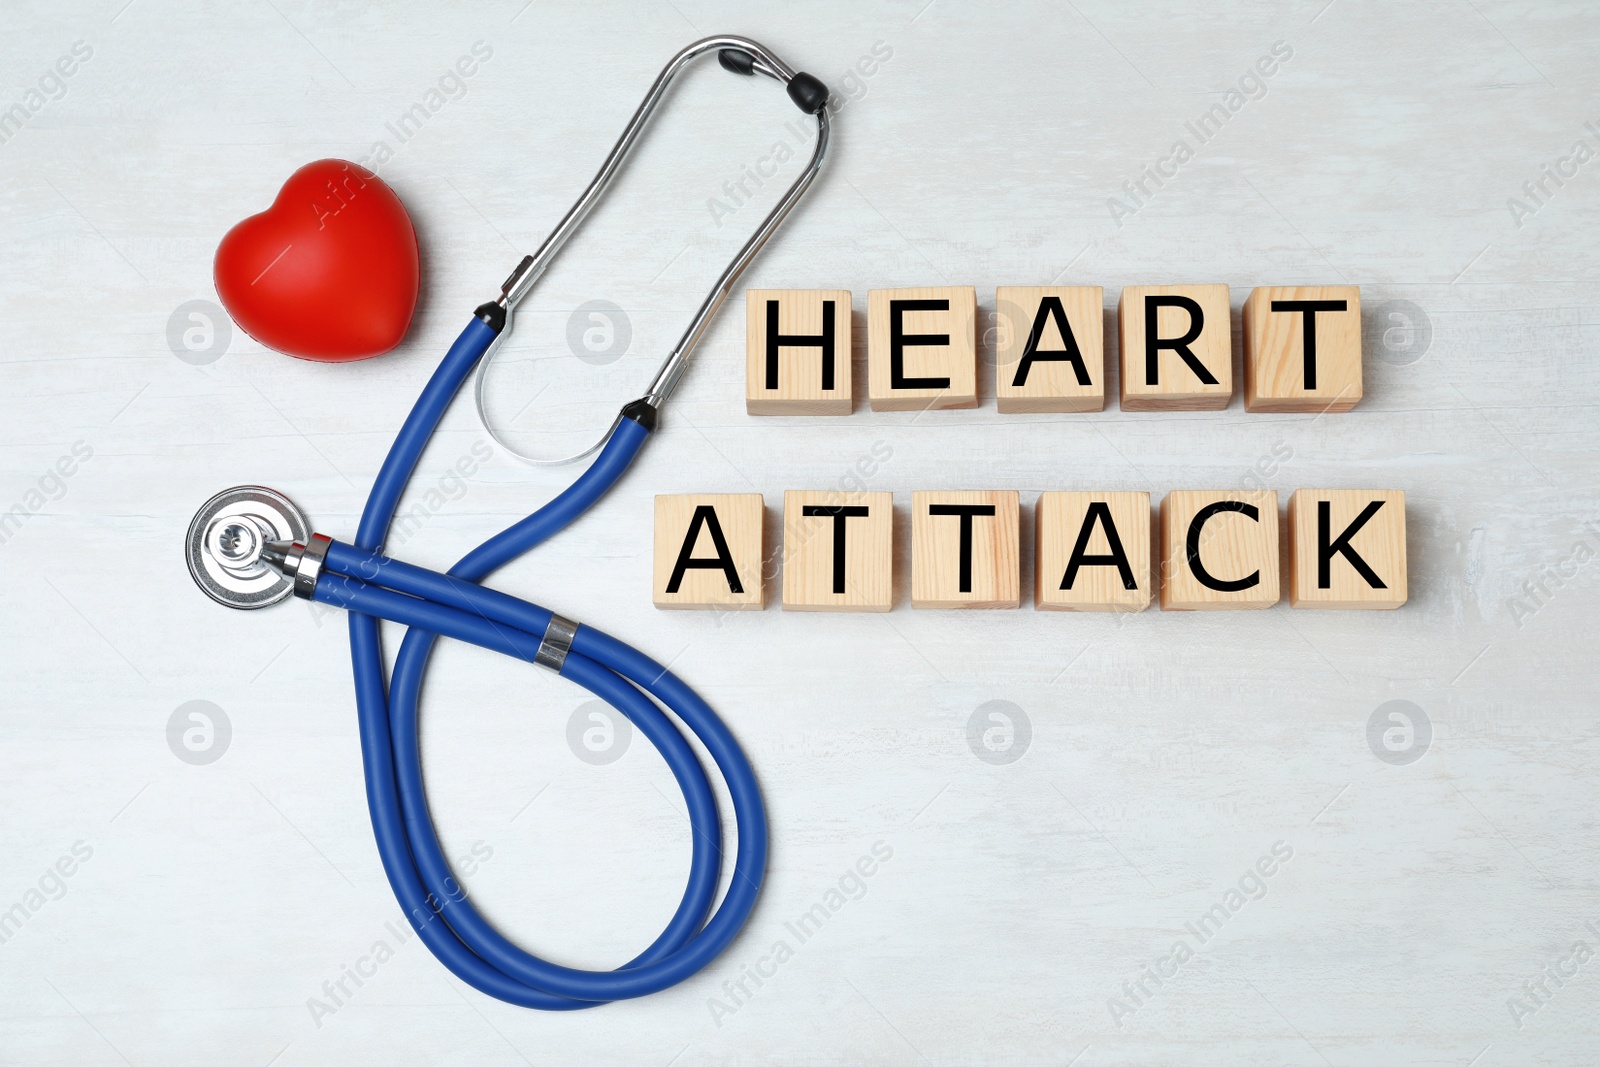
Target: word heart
1302,349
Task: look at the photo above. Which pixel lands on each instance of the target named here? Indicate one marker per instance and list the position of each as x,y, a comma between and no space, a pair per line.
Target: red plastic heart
329,272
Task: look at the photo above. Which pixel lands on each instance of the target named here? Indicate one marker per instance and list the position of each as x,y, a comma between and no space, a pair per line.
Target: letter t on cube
1302,348
964,550
838,551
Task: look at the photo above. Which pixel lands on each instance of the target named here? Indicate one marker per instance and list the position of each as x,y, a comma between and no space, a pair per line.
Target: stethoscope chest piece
227,537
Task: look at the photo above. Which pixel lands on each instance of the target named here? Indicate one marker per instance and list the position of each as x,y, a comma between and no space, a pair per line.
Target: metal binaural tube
677,361
754,58
767,63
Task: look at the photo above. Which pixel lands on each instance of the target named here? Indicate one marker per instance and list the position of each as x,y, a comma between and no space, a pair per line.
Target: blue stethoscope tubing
371,587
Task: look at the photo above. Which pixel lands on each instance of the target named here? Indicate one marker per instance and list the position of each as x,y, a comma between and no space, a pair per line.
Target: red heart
329,272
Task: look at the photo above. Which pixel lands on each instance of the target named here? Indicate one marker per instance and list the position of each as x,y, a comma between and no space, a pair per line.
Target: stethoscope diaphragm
227,537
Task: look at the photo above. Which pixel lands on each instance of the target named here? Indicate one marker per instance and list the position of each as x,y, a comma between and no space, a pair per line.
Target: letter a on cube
1049,348
708,551
1093,552
797,352
1347,548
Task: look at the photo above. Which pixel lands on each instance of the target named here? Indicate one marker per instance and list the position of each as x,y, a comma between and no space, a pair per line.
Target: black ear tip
808,93
737,61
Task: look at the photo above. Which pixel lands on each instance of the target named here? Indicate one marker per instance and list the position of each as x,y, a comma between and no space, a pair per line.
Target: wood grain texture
1275,345
1230,547
1050,384
1379,542
1060,519
810,552
954,360
693,530
1176,385
801,376
992,569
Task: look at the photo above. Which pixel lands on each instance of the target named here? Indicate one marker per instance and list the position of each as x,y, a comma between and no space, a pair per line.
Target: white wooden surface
1165,752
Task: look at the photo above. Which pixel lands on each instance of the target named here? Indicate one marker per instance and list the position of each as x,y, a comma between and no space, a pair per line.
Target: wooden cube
1219,549
922,348
1092,552
1050,348
964,550
838,551
797,352
1177,347
1302,348
1347,548
708,551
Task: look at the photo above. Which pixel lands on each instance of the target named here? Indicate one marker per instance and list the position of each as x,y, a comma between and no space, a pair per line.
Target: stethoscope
250,546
